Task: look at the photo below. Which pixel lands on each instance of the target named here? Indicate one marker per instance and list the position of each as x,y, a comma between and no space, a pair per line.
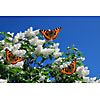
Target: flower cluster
29,46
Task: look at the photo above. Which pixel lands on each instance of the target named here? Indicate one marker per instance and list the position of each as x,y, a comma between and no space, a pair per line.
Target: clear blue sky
84,32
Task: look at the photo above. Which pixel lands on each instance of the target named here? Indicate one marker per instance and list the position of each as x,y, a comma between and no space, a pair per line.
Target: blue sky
84,32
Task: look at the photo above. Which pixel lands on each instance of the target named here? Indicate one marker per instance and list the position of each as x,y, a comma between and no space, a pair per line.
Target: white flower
18,65
64,65
48,80
0,57
2,42
78,81
98,81
81,58
42,78
9,38
61,66
68,63
57,50
58,60
10,33
33,41
3,81
36,32
38,49
86,79
92,80
2,60
56,45
46,52
19,36
82,71
57,54
75,49
19,53
53,66
30,32
40,42
16,46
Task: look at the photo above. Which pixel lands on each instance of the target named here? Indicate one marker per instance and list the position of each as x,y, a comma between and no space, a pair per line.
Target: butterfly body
12,58
50,34
70,69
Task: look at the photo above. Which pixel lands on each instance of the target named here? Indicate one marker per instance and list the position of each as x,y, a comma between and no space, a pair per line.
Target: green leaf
3,33
80,55
41,35
62,53
7,41
45,72
52,48
8,35
13,71
73,45
1,48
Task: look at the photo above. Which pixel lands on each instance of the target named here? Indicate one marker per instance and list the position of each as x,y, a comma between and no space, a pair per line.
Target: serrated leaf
8,35
7,41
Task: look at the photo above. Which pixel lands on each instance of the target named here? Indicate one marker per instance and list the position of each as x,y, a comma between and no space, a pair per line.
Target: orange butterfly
12,58
70,69
50,34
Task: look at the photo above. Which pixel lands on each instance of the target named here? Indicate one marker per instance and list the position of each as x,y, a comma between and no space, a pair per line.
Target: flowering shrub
42,62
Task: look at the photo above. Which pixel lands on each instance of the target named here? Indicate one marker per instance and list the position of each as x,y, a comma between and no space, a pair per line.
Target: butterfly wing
45,33
56,31
8,54
18,59
73,65
66,71
70,69
12,58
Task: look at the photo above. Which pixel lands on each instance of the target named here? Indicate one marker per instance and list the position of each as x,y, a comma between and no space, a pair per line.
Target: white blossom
78,81
18,65
48,80
9,38
35,41
56,45
46,52
57,54
98,81
30,32
19,53
82,71
42,78
58,60
19,36
2,42
3,81
81,58
38,49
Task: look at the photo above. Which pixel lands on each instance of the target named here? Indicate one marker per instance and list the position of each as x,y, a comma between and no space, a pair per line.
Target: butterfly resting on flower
12,58
70,69
50,34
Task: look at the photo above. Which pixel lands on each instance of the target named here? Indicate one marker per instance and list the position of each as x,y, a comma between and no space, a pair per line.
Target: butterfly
70,69
12,58
50,34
